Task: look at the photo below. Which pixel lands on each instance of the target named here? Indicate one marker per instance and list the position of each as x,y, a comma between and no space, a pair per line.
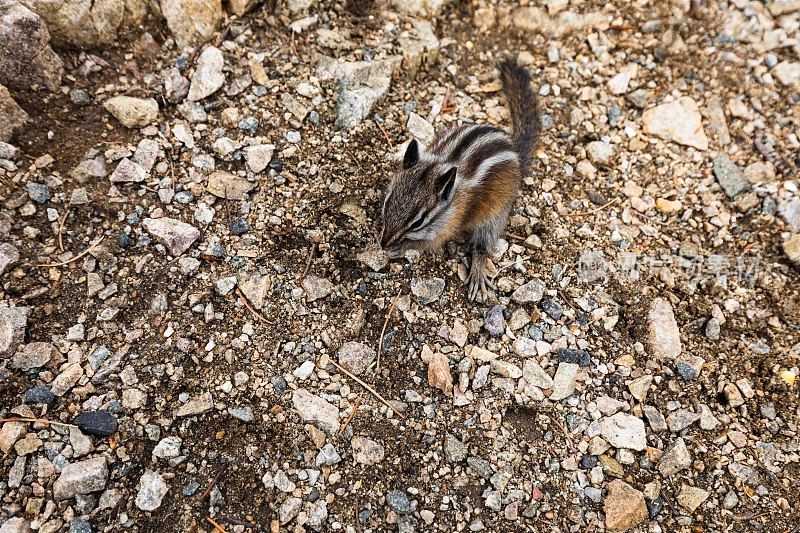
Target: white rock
175,235
304,371
788,73
82,477
619,83
258,156
420,129
132,112
679,121
564,381
317,411
367,451
128,172
168,447
152,489
624,431
663,335
208,77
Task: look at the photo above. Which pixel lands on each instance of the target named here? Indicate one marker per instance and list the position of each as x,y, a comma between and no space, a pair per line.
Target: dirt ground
317,207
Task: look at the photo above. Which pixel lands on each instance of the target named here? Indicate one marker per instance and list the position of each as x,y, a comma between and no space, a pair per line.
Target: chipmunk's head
416,206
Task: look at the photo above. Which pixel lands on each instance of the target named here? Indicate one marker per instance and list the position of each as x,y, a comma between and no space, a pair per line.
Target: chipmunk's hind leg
482,242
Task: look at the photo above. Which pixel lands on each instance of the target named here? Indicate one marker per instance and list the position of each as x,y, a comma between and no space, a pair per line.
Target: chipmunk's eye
417,223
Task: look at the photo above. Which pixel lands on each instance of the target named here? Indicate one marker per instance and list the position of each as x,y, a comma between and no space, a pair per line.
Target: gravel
211,198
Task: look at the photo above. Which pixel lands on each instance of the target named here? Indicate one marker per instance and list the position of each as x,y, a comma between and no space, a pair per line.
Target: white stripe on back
506,156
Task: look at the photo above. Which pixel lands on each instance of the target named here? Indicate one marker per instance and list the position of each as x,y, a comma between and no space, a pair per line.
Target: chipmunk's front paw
479,288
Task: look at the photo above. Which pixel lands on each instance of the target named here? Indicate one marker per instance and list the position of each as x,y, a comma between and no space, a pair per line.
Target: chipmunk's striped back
477,152
464,182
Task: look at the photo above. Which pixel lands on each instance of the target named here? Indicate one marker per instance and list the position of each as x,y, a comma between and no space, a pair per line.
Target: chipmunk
464,184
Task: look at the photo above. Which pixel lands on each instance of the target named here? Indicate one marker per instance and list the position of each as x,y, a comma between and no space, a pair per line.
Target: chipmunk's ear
445,183
412,155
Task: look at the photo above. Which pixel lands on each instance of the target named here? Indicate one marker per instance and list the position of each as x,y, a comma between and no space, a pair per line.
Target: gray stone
12,117
494,322
26,58
427,291
328,456
152,489
531,292
455,450
675,458
367,451
168,448
245,414
317,411
34,355
356,357
13,321
790,211
82,477
730,176
746,474
175,235
681,419
199,405
9,256
398,501
289,509
360,84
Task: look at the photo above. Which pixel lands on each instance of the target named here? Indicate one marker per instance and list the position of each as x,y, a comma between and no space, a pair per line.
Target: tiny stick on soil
383,331
309,261
61,228
593,211
211,485
352,414
39,420
370,389
217,526
385,135
80,255
258,315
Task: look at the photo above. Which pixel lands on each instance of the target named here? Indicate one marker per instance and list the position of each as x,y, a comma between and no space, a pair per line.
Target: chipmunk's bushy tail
524,109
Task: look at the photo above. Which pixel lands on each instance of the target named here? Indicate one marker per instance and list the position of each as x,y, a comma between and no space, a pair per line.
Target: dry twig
309,261
211,485
383,331
61,228
80,255
593,211
385,135
258,315
352,414
217,526
38,420
370,389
